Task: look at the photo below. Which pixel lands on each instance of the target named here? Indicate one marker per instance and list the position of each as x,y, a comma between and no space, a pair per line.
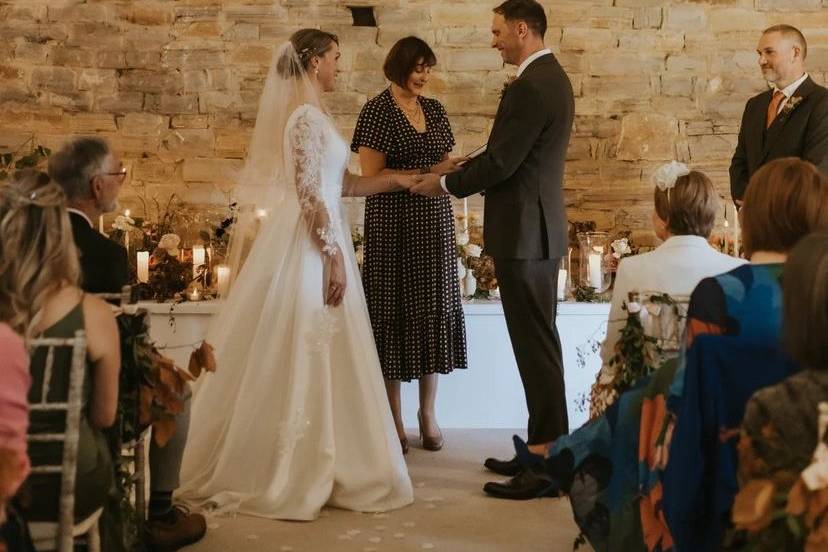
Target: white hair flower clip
666,175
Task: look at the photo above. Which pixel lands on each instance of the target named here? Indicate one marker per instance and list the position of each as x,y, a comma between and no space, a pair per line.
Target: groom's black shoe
509,468
524,486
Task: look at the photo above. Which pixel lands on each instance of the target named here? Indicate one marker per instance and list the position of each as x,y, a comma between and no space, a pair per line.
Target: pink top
14,406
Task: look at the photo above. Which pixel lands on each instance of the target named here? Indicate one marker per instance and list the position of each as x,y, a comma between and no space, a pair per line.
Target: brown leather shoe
429,442
175,530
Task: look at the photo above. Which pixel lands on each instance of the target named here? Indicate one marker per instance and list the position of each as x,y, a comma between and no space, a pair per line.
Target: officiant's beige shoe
429,443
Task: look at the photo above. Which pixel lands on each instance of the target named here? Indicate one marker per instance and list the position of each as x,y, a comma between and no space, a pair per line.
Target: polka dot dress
410,266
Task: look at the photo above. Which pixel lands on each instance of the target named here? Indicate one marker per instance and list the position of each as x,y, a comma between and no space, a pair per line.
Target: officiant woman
410,264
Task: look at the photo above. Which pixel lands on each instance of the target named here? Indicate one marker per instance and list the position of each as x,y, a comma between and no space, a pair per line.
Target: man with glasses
91,175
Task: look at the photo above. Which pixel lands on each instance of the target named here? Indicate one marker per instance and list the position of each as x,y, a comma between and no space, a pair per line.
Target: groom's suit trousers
528,292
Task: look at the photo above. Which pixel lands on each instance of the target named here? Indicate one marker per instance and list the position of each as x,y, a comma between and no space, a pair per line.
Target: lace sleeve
307,146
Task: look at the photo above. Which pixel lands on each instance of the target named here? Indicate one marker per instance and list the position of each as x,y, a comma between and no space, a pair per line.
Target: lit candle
195,294
100,224
465,214
198,258
735,232
126,232
223,279
561,284
143,266
595,273
261,213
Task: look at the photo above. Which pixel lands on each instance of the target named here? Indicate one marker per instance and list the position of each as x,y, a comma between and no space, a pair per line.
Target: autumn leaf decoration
163,398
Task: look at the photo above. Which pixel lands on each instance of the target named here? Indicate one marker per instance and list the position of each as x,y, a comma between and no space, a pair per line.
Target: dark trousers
528,291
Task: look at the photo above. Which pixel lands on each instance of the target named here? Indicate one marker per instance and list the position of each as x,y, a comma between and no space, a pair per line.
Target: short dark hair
405,55
76,163
528,11
805,302
689,207
785,200
792,33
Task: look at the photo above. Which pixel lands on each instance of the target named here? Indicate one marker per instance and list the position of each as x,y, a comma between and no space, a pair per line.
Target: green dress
95,473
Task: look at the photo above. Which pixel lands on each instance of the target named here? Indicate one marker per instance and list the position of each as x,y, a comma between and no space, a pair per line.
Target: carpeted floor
450,513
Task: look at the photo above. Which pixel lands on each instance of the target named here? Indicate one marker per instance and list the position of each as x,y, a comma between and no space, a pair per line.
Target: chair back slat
72,406
47,374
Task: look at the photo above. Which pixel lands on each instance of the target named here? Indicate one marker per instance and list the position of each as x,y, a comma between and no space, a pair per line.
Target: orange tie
773,108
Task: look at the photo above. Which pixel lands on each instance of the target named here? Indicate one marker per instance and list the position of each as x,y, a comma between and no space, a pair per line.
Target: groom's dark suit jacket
522,169
803,133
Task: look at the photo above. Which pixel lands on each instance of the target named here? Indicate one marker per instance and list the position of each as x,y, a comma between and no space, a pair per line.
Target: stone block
186,143
120,102
99,81
153,82
171,104
84,123
212,170
190,121
472,60
647,136
140,124
152,13
256,54
54,79
588,39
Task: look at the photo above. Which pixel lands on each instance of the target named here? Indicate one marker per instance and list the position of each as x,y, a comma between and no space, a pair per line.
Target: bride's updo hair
306,43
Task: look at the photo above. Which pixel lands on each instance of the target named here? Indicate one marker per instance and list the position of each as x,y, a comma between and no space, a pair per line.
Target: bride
296,416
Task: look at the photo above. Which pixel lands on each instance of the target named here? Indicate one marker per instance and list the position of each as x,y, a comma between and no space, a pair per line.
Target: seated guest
779,430
91,175
685,207
14,422
41,298
785,200
612,467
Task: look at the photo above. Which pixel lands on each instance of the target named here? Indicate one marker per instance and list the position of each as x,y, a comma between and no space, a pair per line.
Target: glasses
121,174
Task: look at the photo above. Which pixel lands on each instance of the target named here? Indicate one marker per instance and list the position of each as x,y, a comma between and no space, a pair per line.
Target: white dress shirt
789,91
521,68
675,267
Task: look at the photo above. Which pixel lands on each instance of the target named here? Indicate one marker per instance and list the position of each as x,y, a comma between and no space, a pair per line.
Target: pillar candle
198,258
143,266
595,274
562,274
223,278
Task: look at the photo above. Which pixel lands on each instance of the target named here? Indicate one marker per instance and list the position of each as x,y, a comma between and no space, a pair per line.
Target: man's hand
429,186
449,165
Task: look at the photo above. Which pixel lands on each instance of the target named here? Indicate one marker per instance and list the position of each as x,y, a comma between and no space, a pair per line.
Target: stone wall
174,84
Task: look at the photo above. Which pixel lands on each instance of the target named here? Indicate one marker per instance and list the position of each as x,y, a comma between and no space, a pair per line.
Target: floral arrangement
358,240
636,354
170,267
787,510
16,160
508,82
474,268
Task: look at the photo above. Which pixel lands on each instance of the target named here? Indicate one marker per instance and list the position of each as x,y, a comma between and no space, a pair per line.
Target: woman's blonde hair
37,251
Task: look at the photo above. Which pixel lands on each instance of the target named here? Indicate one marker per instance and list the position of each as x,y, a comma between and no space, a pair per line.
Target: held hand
336,280
429,186
449,165
405,181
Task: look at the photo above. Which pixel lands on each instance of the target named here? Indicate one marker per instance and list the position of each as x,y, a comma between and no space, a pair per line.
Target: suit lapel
543,60
778,125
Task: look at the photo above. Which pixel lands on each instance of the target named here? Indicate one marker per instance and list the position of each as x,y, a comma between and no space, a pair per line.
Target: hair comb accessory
665,176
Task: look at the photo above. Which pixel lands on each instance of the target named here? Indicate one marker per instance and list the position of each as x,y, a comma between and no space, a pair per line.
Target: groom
521,174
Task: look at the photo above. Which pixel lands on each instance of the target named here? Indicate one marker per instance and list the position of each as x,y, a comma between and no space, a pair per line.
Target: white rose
169,242
495,293
473,250
462,238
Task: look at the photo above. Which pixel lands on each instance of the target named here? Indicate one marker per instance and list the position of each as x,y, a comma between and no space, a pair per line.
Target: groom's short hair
791,33
528,11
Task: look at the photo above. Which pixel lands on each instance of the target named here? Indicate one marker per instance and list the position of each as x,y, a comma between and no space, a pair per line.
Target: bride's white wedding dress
296,416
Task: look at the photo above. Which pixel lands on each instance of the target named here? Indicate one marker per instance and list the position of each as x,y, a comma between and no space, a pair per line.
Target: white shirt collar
81,213
791,88
530,59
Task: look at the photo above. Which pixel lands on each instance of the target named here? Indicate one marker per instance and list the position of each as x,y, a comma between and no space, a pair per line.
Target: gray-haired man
91,175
